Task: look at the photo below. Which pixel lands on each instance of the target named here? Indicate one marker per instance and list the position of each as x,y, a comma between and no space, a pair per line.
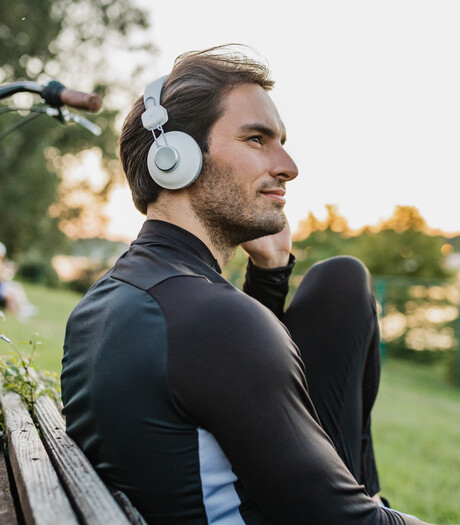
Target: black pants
332,318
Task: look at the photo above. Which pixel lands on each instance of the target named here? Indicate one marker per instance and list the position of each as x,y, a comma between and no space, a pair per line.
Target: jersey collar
154,230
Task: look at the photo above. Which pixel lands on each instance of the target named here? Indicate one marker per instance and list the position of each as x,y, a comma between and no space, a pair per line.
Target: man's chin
277,221
271,226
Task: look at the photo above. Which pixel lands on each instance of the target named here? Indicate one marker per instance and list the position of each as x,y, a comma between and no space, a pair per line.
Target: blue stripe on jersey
220,498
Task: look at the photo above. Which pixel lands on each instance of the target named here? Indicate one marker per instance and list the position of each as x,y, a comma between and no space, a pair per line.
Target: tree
404,218
403,246
333,222
71,40
399,246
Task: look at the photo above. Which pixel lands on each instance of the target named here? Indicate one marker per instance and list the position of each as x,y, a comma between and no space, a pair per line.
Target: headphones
174,160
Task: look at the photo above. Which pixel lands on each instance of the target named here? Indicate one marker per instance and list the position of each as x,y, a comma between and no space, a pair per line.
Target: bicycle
55,97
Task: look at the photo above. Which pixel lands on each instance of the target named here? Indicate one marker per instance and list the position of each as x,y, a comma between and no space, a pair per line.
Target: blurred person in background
13,297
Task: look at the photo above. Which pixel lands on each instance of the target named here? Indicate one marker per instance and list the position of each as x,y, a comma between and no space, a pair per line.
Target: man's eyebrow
263,129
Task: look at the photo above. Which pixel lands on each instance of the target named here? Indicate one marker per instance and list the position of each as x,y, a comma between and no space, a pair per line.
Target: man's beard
228,214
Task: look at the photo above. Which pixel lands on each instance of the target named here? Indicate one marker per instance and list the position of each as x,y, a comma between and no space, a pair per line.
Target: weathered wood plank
134,516
92,500
43,500
7,511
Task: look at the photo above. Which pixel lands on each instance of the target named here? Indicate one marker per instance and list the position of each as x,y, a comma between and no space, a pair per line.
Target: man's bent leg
332,319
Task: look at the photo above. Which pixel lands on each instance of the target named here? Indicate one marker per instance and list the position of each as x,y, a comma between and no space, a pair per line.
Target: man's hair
193,96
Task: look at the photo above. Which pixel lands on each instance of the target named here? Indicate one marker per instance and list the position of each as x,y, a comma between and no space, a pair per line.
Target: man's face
239,195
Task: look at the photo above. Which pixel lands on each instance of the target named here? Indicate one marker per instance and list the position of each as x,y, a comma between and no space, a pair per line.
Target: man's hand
271,251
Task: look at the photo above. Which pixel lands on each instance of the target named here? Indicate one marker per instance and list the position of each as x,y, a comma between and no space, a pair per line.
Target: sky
369,92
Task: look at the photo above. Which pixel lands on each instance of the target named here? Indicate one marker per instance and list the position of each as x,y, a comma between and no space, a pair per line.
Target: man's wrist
281,264
278,260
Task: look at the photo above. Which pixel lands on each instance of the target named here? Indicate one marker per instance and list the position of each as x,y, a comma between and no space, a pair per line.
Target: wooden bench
45,479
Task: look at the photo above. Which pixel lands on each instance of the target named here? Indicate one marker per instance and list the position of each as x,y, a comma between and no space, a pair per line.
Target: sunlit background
369,93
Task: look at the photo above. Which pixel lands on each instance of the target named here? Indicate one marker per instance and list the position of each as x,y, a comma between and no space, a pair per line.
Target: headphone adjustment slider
154,117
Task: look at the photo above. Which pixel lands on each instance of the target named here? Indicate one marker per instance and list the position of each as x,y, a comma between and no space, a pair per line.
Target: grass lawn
54,309
416,422
416,428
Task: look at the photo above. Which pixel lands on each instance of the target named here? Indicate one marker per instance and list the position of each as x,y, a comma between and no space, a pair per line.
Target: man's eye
256,138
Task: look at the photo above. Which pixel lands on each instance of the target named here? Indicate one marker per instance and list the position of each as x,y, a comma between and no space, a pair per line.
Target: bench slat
7,511
42,497
91,498
134,516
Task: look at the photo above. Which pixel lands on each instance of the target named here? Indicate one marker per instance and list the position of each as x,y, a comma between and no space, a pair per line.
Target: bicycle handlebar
78,99
55,95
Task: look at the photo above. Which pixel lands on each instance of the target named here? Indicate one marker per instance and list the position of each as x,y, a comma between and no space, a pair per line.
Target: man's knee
340,276
343,269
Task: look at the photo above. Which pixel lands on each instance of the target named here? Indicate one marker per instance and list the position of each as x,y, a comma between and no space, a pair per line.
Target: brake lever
60,114
87,124
63,115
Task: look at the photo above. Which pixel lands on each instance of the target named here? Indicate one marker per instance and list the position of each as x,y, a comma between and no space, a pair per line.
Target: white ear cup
174,159
184,156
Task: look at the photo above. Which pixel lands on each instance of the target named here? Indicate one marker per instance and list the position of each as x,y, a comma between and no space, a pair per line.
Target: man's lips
276,194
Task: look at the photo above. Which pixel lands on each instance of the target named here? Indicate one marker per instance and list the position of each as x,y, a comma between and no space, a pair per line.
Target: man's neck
176,210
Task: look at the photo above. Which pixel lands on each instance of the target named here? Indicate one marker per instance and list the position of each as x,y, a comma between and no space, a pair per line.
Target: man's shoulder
113,302
171,288
146,267
219,309
197,291
221,337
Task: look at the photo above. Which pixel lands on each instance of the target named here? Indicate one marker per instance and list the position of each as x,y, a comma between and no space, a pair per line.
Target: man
190,395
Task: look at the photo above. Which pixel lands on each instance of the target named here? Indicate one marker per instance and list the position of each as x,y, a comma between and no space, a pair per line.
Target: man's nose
284,166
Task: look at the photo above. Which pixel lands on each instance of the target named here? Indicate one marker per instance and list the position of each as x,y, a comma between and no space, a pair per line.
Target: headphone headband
153,91
155,114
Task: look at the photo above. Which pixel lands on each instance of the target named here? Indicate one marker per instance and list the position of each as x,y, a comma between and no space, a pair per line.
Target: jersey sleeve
235,372
269,286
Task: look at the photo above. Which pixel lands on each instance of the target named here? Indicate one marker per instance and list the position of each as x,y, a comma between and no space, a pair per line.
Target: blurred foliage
235,269
407,260
36,268
419,318
75,42
20,375
413,285
90,259
401,245
87,276
415,289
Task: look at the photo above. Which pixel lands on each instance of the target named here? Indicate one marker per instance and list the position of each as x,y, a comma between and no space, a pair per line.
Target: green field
54,309
416,428
416,420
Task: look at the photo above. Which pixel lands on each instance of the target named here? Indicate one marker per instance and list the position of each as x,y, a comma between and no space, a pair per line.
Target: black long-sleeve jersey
190,396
